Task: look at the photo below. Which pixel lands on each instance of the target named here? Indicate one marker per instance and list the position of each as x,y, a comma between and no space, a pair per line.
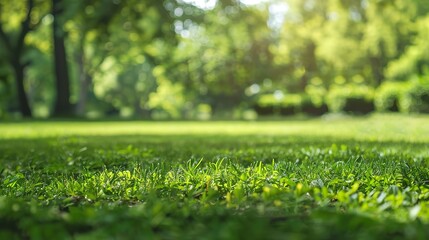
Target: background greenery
201,59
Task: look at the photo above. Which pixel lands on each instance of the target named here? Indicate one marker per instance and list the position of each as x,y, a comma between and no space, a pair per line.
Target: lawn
329,178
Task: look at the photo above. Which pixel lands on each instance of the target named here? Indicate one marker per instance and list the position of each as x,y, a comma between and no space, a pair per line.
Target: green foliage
388,96
416,96
40,85
357,178
289,104
212,54
353,98
414,59
409,97
279,103
168,98
313,106
316,91
314,101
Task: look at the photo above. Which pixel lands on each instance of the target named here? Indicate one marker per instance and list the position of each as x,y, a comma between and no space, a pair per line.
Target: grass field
330,178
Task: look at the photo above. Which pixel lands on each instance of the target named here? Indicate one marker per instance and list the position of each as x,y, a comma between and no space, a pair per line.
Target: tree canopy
194,59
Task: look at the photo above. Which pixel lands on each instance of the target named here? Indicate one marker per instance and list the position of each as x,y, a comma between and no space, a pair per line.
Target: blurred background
212,59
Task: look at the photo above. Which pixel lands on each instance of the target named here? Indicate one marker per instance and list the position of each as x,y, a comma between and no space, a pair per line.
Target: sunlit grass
374,128
343,177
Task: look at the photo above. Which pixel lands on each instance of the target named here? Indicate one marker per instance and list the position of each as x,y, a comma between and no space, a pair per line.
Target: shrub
388,95
311,107
351,98
266,105
289,104
270,104
313,103
415,98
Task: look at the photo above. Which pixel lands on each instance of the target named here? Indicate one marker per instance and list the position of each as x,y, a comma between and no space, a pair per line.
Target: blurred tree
87,26
297,47
18,19
388,30
219,58
62,106
415,58
173,57
338,42
342,41
137,39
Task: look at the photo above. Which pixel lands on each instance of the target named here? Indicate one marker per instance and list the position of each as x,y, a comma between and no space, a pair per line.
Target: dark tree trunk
14,50
22,97
62,103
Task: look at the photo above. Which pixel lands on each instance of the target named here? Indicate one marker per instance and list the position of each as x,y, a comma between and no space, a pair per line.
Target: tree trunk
14,50
24,107
62,103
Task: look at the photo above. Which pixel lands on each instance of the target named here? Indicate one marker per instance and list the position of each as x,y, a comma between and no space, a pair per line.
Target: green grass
345,178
